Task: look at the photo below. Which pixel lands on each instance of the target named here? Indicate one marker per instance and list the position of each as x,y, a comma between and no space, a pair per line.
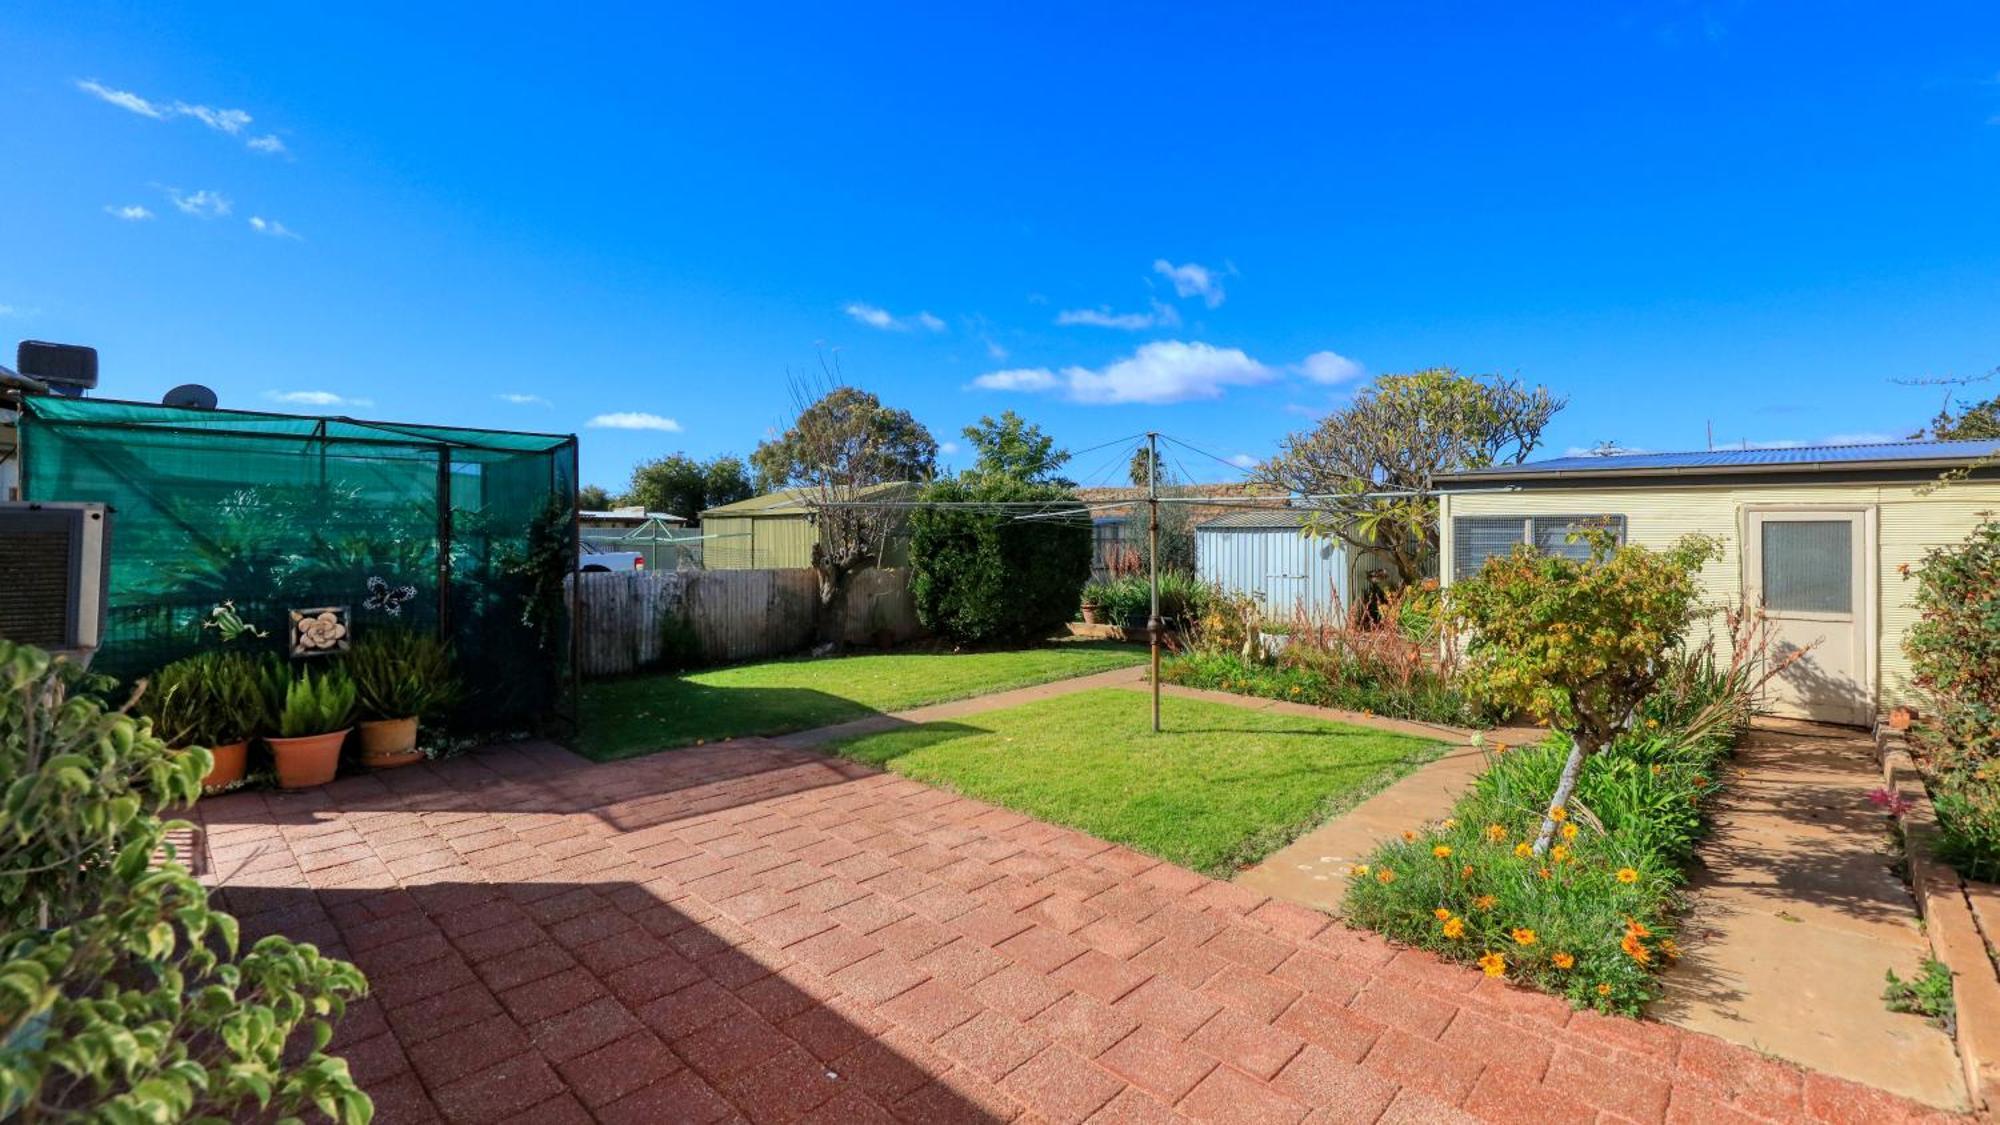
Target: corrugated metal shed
1263,553
1891,455
776,530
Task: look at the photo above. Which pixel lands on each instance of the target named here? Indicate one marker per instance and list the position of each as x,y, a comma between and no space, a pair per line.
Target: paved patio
753,932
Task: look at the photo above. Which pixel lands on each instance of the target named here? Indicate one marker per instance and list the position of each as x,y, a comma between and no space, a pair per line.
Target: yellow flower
1635,949
1496,833
1442,851
1409,836
1454,928
1558,814
1493,965
1559,853
1652,724
1627,875
1524,849
1499,748
1385,876
1358,869
1604,990
1450,822
1441,914
1563,961
1523,936
1670,948
1484,902
1569,831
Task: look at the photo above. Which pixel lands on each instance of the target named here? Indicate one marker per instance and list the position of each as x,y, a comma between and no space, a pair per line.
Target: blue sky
1211,220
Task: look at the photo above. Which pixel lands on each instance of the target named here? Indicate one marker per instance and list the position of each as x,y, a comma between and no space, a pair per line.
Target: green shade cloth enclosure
276,512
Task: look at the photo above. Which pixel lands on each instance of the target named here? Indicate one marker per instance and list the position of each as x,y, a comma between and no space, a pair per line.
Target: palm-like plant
400,675
312,702
208,699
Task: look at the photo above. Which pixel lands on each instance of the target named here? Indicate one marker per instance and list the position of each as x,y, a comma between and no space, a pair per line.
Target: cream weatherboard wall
1906,524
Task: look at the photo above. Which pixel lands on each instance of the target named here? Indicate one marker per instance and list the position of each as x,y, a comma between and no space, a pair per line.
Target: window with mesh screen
1808,566
1478,538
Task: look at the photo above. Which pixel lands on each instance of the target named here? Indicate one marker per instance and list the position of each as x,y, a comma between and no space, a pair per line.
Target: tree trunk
1565,786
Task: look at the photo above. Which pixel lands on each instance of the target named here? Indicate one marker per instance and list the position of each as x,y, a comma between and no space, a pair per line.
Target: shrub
400,674
983,575
1954,647
1183,598
123,994
1577,643
1321,678
208,699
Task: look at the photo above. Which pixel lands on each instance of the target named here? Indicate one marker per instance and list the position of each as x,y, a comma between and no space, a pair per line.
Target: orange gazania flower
1544,872
1465,872
1385,876
1496,833
1442,851
1627,875
1524,936
1558,814
1441,914
1409,836
1604,990
1524,849
1636,949
1559,853
1493,965
1454,928
1569,831
1484,902
1563,961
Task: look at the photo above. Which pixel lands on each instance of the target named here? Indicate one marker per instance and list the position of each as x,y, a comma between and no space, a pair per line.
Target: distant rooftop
1292,518
1886,455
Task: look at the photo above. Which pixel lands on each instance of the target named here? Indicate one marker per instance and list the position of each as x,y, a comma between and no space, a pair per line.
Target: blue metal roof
1792,458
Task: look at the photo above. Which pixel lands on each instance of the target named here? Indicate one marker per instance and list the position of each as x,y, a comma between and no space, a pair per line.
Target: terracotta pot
1090,613
1900,718
307,761
228,767
388,743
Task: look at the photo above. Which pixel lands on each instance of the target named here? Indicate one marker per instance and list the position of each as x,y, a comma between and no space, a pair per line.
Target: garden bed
1593,920
628,717
1421,695
1219,788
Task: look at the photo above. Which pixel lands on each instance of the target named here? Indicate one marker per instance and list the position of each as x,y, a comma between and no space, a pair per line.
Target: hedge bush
985,576
1954,650
123,993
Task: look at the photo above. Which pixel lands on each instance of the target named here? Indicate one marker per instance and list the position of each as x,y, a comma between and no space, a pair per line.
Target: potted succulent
1092,592
399,677
211,699
312,713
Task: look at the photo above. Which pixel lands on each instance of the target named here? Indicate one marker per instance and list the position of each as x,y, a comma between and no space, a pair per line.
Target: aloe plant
208,699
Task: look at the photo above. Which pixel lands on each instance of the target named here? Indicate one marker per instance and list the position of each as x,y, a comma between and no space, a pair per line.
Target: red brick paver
752,932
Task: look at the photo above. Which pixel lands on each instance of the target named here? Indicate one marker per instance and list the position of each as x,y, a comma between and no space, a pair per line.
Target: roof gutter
1672,471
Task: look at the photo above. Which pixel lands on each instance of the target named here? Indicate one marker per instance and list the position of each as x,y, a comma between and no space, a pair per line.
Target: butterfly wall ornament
389,599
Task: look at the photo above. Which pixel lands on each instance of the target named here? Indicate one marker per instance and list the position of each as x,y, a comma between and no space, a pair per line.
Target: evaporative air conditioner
53,569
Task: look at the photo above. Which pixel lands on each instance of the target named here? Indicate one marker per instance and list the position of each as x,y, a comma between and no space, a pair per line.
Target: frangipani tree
1577,643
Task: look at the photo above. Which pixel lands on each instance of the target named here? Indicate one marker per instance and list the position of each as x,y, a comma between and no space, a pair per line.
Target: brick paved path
750,932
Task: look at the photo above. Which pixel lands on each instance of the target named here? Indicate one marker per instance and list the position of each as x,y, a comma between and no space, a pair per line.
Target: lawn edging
1961,920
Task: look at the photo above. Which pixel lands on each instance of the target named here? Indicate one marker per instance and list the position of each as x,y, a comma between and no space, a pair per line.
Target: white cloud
123,99
316,398
203,204
1328,367
524,400
1871,437
273,227
1160,372
131,212
1018,379
993,348
634,420
1243,461
876,317
947,447
1192,280
231,122
1162,315
9,310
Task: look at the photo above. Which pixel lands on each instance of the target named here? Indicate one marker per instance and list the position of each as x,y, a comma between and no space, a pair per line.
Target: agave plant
399,674
208,699
311,702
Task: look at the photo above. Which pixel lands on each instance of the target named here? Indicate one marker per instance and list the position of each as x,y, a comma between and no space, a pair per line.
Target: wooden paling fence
736,614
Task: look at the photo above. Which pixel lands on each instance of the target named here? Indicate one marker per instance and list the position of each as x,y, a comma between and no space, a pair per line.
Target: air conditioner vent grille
34,600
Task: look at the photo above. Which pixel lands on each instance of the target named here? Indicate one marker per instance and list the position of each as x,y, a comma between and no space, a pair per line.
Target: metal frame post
1153,557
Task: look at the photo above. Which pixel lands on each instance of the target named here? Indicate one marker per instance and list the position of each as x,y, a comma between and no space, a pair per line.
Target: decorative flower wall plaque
319,632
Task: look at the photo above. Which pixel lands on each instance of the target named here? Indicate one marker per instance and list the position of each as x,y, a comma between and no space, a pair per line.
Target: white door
1808,568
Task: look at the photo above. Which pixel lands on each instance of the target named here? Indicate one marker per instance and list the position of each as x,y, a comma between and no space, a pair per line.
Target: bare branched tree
842,442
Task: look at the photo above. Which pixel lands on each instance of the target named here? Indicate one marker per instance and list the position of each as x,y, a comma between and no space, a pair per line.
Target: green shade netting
279,512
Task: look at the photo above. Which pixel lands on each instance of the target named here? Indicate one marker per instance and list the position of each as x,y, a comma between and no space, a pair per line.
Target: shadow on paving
557,999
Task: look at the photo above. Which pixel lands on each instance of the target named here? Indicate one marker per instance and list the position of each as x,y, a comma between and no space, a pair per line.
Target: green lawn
1219,788
625,718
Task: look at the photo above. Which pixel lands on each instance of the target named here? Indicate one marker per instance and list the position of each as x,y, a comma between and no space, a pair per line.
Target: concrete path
1797,915
749,933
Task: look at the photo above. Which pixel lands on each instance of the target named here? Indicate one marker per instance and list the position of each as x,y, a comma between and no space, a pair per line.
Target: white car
593,559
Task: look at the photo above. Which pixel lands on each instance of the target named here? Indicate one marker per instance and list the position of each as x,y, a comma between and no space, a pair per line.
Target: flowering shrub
1593,919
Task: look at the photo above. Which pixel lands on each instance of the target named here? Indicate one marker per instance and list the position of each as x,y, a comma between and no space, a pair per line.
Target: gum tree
1577,643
